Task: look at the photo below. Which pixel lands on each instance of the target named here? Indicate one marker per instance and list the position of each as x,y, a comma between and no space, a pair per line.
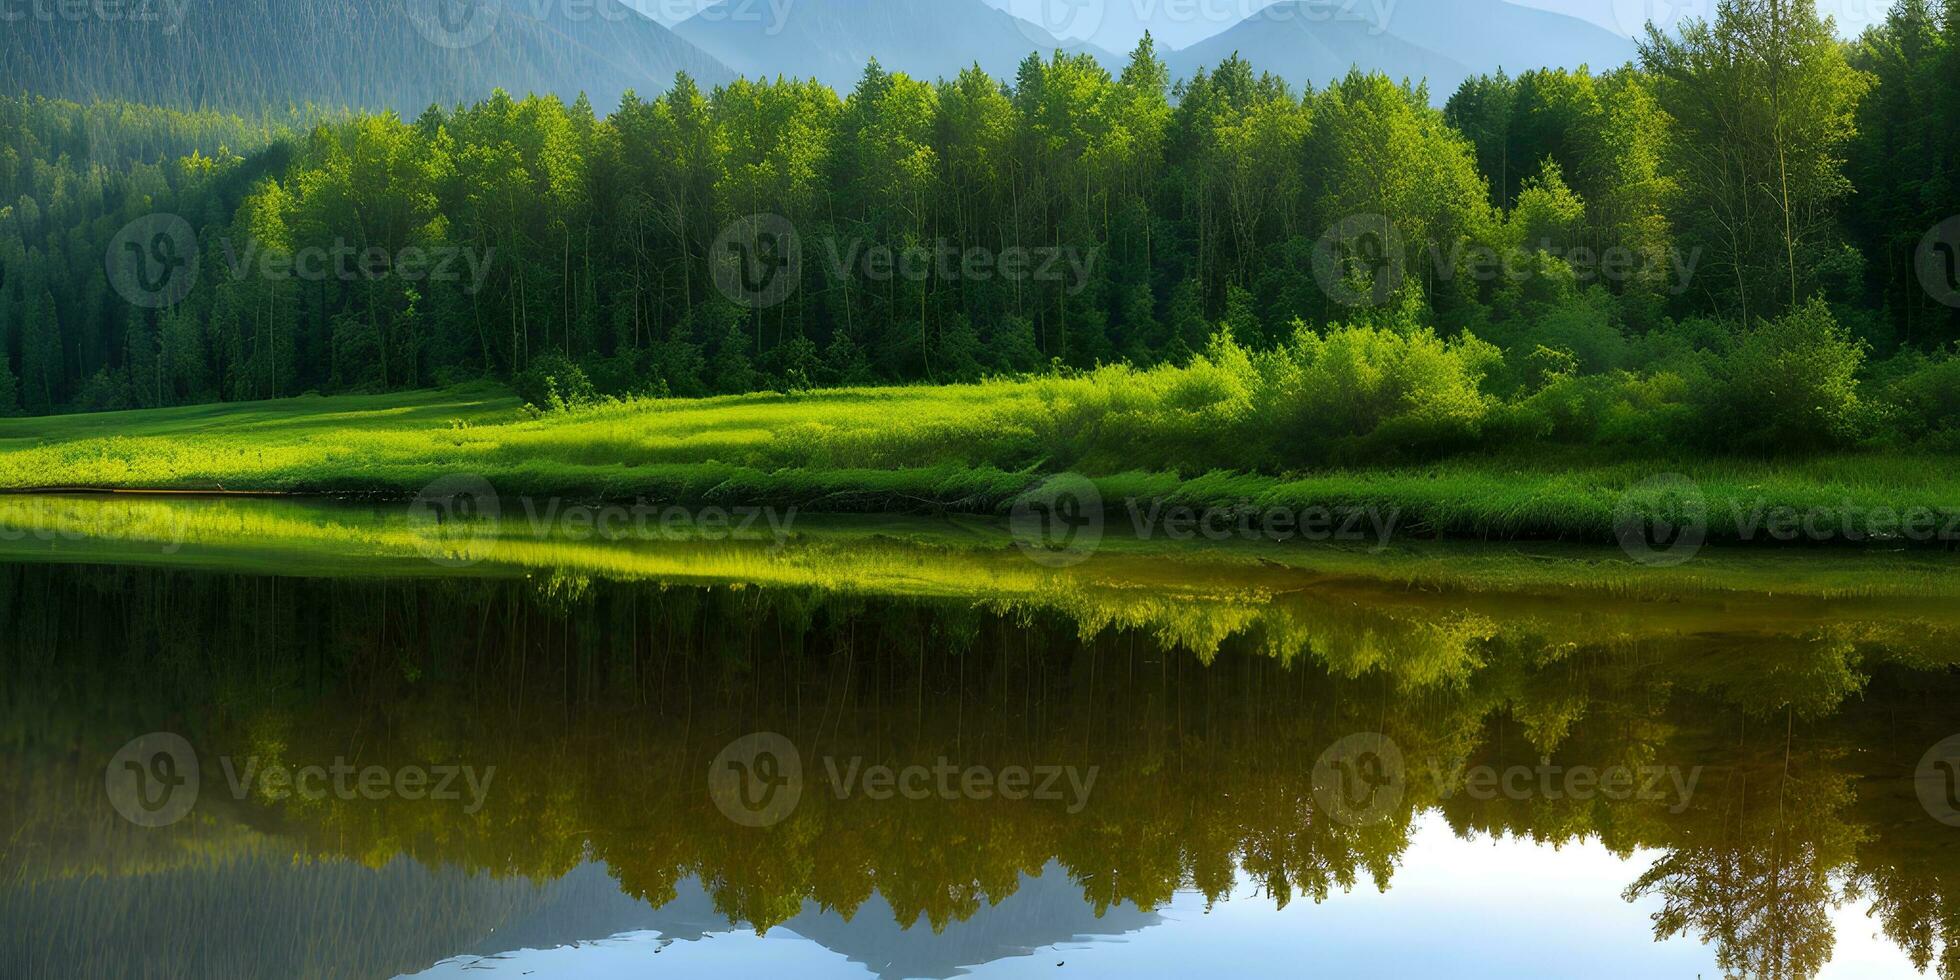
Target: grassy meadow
917,450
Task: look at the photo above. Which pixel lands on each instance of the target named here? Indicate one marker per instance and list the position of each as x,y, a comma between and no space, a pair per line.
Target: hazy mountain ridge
399,54
406,54
831,40
1312,51
1310,42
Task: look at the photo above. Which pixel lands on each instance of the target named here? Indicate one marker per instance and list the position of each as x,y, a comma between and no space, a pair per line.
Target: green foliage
960,448
1791,385
1925,395
554,383
1566,217
9,388
1364,393
1761,103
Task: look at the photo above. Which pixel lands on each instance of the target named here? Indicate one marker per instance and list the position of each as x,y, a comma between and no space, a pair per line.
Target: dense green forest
1735,235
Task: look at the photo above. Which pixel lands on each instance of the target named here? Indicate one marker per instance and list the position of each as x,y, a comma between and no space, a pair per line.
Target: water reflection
600,685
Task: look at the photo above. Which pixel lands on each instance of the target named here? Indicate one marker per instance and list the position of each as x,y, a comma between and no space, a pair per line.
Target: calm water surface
251,738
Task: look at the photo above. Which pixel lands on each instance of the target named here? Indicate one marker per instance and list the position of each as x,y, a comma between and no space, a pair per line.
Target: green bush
1924,393
555,383
1790,385
1365,391
1617,409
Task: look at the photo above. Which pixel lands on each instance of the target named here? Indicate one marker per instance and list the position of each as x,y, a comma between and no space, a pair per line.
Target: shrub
1924,393
1365,391
555,383
1618,408
1790,385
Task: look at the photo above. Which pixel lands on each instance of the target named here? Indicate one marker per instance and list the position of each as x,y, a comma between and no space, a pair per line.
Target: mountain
1492,34
586,907
399,54
831,40
1444,41
1297,42
1118,26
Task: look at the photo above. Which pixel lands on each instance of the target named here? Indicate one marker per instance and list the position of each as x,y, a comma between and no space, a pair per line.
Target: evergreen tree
9,388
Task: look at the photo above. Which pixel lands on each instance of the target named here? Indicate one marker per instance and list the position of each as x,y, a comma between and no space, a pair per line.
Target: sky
1852,16
1624,17
1478,909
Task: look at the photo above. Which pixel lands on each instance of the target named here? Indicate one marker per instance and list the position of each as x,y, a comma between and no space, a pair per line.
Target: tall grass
1355,418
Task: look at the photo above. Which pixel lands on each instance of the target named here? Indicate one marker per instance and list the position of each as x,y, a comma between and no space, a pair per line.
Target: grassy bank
966,449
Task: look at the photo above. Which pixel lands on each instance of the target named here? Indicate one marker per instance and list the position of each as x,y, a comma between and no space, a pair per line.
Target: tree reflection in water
600,702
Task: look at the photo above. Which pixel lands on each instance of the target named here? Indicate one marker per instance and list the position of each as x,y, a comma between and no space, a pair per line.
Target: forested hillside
246,55
1618,244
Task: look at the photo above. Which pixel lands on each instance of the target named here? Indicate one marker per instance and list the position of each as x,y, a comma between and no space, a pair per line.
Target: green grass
960,448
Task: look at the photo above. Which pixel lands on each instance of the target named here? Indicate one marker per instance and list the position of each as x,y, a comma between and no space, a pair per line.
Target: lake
342,739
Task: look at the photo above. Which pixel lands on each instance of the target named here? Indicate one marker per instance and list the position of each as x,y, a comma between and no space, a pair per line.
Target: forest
1736,242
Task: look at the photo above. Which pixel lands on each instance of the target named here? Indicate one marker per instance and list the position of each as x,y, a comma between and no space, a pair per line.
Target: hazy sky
1853,16
1620,16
